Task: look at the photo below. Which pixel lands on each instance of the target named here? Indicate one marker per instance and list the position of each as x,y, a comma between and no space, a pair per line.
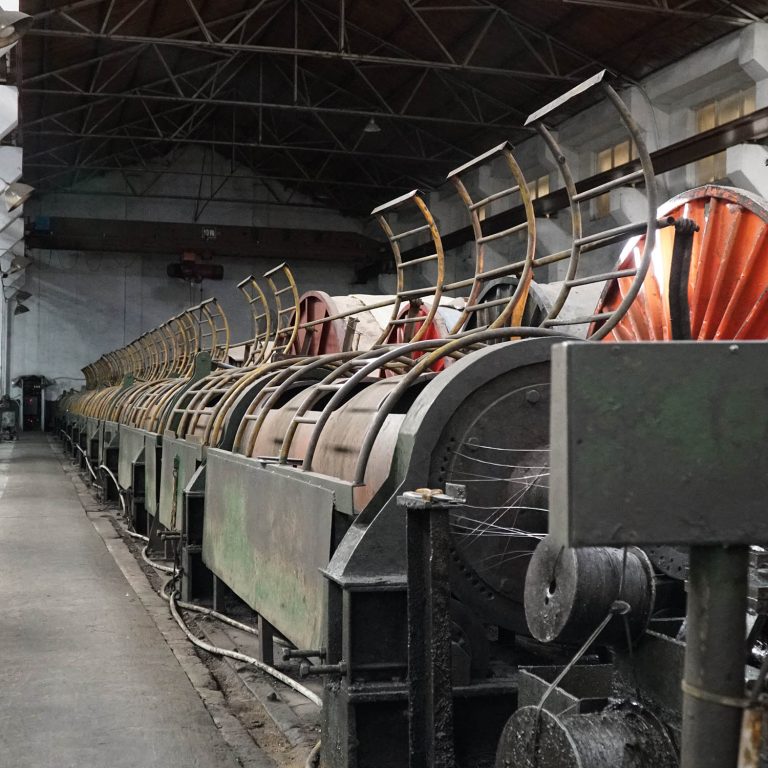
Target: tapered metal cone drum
438,325
357,328
728,281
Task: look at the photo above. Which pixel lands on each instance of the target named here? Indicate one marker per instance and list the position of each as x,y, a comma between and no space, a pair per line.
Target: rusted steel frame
160,403
652,204
214,340
381,359
187,333
271,395
579,243
199,395
382,356
576,219
273,367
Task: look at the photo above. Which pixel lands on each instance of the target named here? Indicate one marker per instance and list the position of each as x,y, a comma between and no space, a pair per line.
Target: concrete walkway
86,678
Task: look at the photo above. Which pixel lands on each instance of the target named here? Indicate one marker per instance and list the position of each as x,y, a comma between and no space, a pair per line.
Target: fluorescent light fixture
16,194
372,127
13,26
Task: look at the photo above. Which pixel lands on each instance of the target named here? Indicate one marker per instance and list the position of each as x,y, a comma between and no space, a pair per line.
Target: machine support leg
266,640
430,696
713,683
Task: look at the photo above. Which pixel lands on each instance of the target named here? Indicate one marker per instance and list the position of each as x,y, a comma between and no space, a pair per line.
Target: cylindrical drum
569,592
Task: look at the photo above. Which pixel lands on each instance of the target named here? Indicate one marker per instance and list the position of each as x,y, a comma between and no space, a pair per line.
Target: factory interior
380,383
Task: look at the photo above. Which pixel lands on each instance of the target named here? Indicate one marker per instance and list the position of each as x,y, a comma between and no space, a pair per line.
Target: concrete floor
86,678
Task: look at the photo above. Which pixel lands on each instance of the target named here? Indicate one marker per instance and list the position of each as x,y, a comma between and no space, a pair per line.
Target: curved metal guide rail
512,306
600,323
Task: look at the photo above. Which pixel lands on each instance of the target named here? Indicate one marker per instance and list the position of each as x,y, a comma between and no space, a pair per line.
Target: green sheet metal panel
184,457
266,535
659,443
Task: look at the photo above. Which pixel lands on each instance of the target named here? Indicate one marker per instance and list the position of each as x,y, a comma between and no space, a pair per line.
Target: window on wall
607,159
717,112
539,187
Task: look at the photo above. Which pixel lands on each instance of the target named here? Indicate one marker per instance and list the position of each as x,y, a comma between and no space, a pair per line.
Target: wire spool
568,592
728,284
622,735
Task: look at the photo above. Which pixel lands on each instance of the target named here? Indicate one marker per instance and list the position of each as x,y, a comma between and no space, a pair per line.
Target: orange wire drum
728,282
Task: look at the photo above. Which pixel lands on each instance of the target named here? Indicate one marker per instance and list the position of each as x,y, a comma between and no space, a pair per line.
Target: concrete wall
84,305
141,195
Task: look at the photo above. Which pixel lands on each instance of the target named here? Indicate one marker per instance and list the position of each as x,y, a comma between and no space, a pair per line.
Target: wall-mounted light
13,26
17,264
20,309
16,194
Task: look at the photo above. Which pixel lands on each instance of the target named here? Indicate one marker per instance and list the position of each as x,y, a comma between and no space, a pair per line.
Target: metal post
266,641
430,695
713,684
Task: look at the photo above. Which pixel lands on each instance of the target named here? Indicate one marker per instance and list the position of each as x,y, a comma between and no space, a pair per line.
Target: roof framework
286,88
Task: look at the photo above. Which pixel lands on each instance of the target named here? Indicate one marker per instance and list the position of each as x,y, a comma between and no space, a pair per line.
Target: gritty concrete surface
87,679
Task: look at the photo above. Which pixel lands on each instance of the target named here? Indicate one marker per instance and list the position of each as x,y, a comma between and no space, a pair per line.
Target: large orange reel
728,281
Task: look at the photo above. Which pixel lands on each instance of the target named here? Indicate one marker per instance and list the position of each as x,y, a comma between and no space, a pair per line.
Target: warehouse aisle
87,680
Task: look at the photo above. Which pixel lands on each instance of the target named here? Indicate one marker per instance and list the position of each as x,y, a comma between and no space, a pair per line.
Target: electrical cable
159,566
120,491
121,494
223,618
276,673
313,757
215,650
87,462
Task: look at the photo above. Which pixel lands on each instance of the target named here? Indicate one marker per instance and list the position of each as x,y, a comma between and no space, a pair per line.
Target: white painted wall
84,305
